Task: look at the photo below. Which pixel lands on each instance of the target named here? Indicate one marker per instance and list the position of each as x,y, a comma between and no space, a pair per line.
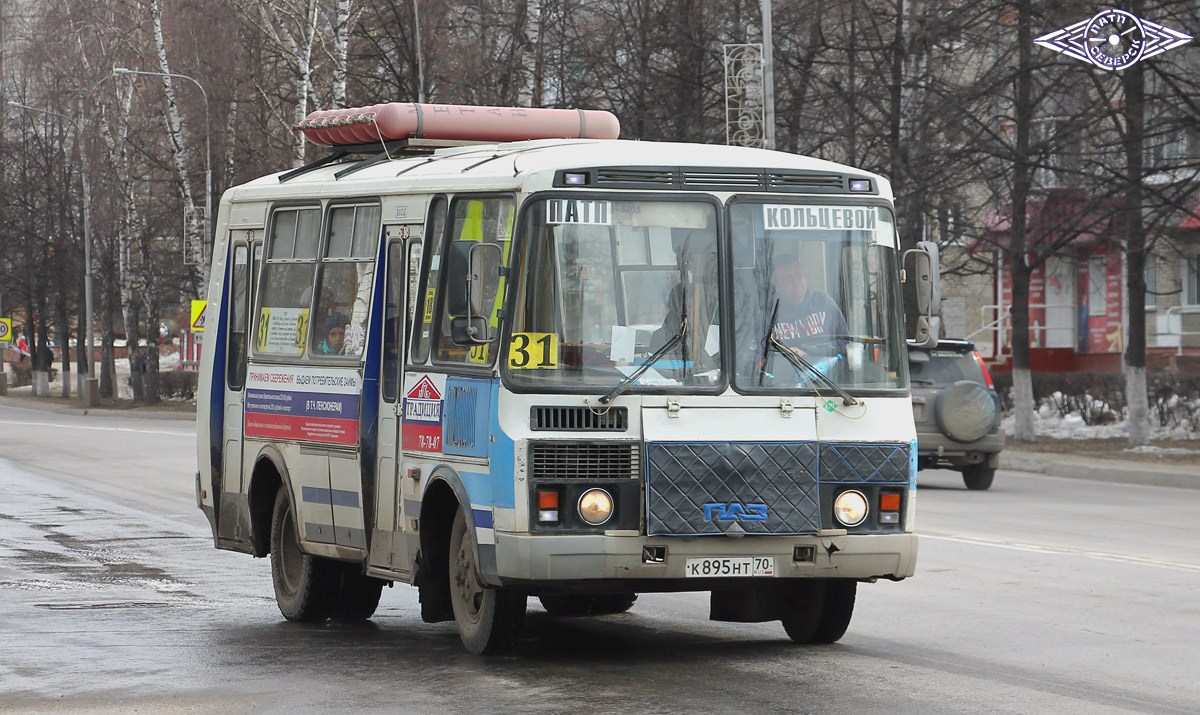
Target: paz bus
499,353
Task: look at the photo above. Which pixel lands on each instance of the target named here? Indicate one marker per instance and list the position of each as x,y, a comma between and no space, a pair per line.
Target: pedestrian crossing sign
198,307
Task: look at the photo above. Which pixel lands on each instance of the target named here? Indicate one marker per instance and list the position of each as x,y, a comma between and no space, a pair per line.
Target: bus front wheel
489,619
818,611
305,586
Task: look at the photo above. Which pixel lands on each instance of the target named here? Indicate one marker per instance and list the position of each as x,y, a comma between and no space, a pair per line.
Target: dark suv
957,411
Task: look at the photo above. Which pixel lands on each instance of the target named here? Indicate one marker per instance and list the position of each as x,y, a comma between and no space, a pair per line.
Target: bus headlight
595,506
850,508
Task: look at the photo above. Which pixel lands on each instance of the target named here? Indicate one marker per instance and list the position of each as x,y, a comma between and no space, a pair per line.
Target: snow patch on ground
1047,424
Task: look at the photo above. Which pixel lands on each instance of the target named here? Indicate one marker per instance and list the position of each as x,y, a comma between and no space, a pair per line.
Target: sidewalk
164,411
1101,469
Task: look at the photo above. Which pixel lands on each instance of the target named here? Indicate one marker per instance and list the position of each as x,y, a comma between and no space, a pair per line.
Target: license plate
736,566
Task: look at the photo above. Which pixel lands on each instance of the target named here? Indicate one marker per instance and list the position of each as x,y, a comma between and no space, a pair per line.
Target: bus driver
806,321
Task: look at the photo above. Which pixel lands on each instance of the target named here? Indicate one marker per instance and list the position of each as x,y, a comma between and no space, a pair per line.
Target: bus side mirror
469,265
927,272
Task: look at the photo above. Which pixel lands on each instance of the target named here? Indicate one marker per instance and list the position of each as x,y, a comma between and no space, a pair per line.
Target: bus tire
978,477
489,619
359,595
818,611
305,585
609,604
568,604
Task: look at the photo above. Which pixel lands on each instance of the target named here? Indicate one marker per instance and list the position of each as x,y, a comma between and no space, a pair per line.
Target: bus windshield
612,284
814,290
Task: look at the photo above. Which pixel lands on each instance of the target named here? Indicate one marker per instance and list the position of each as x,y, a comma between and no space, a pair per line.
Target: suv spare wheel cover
967,411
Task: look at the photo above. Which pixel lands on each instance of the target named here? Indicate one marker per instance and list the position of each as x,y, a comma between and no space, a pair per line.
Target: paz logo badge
1113,40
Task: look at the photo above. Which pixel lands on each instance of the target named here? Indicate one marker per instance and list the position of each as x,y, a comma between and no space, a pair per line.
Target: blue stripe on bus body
483,518
368,406
336,497
500,459
216,384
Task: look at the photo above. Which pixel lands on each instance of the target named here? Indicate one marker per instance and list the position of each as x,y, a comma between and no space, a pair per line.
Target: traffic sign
198,307
5,330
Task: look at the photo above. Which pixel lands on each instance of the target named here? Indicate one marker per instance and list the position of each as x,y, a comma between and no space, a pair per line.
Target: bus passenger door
231,522
387,546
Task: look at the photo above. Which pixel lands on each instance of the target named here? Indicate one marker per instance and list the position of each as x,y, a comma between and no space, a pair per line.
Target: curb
1104,470
34,404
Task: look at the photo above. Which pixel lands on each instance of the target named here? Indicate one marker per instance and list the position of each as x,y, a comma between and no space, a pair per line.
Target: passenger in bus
335,335
809,322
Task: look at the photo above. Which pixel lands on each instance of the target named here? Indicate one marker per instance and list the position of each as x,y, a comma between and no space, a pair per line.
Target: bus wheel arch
439,503
268,476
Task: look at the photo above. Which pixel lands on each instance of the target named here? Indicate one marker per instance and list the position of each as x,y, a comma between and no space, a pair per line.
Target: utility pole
768,78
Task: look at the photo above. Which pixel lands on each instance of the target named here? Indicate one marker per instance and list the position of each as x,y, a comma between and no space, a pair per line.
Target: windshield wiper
801,364
645,364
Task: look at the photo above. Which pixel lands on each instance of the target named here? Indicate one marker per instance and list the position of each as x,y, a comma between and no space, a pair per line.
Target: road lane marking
1063,551
98,429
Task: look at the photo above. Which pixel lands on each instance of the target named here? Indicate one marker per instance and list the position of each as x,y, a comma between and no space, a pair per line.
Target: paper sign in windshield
819,218
313,405
585,211
282,330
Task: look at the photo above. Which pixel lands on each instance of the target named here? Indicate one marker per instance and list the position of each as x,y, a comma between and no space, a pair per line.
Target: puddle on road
124,604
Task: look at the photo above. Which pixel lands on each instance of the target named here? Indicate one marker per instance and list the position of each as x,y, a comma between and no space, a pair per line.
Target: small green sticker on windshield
830,406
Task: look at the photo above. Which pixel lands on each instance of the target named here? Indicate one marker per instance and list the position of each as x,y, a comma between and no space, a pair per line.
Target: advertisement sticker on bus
311,404
422,430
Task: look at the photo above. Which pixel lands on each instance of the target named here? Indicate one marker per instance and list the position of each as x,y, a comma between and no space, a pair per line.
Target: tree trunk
341,43
177,132
1023,111
64,342
108,358
1135,254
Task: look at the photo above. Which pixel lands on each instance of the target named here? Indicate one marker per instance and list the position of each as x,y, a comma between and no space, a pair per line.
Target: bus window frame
405,246
230,367
803,200
255,354
466,368
428,242
516,273
322,248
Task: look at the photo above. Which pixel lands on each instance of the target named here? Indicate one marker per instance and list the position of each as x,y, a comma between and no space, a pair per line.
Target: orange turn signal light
889,502
547,500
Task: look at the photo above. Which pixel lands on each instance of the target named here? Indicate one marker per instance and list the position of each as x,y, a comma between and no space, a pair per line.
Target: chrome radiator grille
549,461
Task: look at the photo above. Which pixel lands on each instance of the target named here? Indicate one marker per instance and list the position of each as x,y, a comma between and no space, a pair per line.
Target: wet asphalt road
1041,595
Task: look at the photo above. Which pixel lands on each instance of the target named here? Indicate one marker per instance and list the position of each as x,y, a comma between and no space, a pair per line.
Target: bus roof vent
637,178
800,182
717,179
578,419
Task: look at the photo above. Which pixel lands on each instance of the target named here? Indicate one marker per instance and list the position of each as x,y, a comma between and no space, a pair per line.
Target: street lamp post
207,141
90,390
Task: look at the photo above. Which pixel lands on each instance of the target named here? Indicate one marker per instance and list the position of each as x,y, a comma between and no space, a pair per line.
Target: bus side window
488,220
281,325
346,277
238,306
434,228
393,321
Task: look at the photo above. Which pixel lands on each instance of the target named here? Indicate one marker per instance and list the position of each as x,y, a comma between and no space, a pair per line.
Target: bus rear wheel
359,595
489,619
305,586
818,611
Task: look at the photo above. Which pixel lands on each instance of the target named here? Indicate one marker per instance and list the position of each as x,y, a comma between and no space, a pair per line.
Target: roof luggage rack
375,152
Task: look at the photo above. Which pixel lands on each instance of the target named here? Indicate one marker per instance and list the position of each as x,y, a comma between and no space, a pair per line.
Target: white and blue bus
576,369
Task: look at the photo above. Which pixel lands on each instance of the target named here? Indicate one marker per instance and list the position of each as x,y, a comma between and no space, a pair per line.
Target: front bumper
548,561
